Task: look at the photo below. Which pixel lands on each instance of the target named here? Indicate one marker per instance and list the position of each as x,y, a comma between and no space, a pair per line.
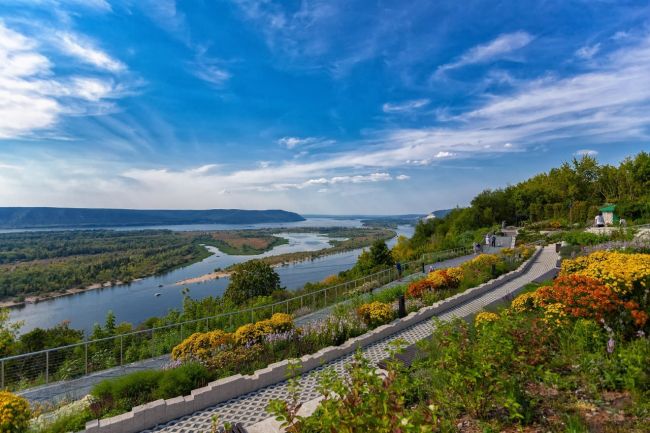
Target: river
137,301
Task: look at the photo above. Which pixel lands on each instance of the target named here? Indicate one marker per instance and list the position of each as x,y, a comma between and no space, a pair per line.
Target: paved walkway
251,408
323,313
77,388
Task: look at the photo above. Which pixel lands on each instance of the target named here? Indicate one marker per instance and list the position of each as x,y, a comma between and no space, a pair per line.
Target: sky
313,106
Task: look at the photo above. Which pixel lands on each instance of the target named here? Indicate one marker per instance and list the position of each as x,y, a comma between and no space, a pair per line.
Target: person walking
398,265
487,240
493,241
599,220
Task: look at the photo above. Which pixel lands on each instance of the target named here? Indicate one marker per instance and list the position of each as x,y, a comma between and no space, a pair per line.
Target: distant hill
437,214
52,217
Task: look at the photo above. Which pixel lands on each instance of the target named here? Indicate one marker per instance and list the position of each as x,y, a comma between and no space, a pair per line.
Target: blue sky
321,106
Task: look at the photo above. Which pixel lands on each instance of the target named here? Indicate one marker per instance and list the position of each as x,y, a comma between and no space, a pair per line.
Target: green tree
380,254
8,332
251,279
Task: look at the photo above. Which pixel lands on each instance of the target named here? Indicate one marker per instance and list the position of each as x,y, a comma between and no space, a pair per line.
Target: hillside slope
43,217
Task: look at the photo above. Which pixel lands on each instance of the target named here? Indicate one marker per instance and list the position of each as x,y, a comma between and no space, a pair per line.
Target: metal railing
80,359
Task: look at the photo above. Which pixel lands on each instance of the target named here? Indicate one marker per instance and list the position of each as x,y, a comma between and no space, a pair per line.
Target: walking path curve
250,408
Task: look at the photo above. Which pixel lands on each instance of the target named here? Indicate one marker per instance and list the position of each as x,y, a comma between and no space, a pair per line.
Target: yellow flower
524,303
485,317
14,413
617,270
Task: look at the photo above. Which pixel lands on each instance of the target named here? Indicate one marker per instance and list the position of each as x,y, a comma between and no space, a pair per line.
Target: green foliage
251,279
568,195
123,393
72,422
59,335
37,263
8,332
380,254
182,380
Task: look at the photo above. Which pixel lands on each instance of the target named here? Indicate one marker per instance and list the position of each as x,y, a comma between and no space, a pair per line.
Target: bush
485,317
254,332
182,380
201,345
417,288
376,313
125,392
71,422
14,413
583,297
625,273
239,359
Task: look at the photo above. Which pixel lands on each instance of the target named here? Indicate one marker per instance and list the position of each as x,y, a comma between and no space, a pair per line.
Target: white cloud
292,142
209,69
587,152
405,106
443,154
607,104
33,98
402,177
496,49
84,50
587,52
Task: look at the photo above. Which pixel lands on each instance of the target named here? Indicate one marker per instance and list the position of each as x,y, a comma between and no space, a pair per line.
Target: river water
137,301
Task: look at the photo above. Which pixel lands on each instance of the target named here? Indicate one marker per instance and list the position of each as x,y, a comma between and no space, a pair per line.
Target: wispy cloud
587,152
496,49
293,142
588,51
33,98
87,52
405,106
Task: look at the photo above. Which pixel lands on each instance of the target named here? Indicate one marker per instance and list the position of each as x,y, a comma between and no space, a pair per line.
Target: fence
76,360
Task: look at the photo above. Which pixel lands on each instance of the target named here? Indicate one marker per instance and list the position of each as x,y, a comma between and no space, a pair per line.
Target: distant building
609,214
431,216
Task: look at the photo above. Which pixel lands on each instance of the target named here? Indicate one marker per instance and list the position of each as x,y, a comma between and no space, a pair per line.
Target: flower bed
511,371
223,354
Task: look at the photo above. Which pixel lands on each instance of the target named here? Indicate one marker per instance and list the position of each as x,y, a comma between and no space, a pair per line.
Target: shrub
14,413
582,297
376,313
254,332
625,273
201,345
417,288
239,359
182,380
485,317
125,392
525,303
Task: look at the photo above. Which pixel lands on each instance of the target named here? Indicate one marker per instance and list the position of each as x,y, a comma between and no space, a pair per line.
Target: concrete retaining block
162,411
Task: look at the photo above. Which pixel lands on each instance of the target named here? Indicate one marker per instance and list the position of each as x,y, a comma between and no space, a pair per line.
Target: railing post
86,356
47,367
2,380
121,350
287,306
181,331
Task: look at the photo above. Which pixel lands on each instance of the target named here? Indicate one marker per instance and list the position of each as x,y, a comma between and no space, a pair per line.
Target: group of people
490,241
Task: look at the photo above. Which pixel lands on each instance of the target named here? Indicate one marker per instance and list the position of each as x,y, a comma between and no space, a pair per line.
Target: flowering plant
485,317
201,345
620,271
14,413
375,313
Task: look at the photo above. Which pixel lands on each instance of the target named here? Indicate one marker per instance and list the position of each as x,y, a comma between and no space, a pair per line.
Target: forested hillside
569,196
33,217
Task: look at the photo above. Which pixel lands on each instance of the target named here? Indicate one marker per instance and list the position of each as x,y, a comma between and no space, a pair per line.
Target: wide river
137,301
